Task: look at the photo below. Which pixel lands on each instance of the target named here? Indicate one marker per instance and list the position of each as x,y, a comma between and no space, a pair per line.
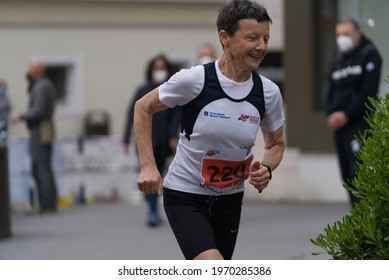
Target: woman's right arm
149,180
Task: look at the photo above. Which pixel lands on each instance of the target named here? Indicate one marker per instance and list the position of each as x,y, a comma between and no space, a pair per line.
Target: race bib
223,173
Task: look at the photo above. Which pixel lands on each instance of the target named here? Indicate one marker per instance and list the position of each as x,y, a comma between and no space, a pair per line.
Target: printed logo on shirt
347,71
251,119
216,115
370,66
355,146
243,117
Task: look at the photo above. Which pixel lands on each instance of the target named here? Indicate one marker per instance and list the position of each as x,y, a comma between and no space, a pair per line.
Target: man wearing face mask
205,53
39,120
164,128
354,77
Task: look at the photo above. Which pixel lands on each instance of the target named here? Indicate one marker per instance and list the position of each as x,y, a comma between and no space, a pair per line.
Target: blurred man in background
206,53
39,120
355,76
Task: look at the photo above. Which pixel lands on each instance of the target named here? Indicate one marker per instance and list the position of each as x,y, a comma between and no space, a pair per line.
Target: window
59,75
325,15
272,68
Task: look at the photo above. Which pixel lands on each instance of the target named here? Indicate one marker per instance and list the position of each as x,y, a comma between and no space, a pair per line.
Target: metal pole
5,216
5,213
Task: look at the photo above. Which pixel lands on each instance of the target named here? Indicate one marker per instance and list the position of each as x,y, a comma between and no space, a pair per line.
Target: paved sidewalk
274,231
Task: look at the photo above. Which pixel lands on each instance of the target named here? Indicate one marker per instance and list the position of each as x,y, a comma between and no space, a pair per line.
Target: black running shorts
202,222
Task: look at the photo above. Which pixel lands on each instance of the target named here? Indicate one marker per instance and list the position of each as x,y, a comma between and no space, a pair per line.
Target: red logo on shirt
251,119
243,117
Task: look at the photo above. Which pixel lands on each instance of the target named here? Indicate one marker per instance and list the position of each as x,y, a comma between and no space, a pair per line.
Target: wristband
264,163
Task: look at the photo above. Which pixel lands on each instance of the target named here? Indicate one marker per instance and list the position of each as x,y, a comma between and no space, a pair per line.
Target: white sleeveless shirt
215,158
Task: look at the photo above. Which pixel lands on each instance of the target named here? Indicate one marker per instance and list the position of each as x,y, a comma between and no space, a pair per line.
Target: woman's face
249,45
159,72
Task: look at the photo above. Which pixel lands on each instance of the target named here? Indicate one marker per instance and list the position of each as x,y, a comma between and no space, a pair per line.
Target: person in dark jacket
354,77
39,120
5,108
164,130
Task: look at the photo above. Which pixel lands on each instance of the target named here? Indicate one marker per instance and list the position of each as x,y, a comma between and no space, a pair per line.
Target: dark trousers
43,175
347,146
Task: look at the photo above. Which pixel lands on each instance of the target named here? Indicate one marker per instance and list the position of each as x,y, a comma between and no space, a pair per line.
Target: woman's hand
150,181
259,176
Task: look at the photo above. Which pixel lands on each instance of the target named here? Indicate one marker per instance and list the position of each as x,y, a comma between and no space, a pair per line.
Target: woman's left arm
274,150
274,147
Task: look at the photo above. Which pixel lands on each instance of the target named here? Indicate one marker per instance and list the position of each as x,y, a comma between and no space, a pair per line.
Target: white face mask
345,43
160,76
205,59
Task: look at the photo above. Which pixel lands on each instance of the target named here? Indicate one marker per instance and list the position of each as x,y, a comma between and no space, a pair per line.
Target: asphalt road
269,231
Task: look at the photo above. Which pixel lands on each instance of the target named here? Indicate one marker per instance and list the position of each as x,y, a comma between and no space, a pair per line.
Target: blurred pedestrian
164,129
224,103
206,53
40,123
354,77
5,109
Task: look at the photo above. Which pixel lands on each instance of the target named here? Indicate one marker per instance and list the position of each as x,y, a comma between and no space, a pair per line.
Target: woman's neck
233,71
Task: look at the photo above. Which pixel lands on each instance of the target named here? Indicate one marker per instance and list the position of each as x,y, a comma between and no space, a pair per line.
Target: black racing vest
213,91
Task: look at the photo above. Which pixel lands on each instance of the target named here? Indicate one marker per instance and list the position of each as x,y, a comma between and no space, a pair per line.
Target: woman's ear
224,38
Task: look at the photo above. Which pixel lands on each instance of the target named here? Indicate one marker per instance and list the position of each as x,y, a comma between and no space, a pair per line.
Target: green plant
364,233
